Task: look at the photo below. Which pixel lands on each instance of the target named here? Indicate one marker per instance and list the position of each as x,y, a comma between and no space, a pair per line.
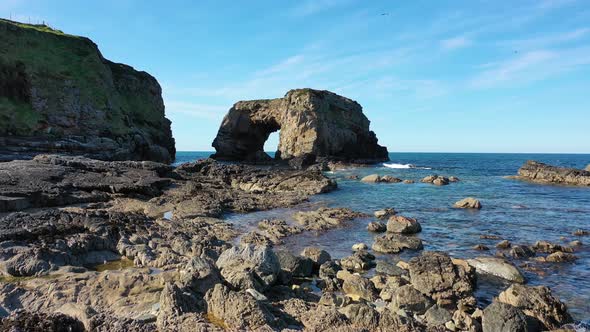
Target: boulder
393,243
329,269
247,266
502,317
357,287
435,275
389,269
468,203
359,261
538,303
199,275
317,255
542,173
297,266
409,299
315,122
373,178
437,316
384,213
237,310
504,244
359,247
497,267
560,257
390,179
403,225
521,252
361,315
377,227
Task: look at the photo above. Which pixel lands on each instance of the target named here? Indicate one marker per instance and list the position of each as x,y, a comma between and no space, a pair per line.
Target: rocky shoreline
142,246
538,172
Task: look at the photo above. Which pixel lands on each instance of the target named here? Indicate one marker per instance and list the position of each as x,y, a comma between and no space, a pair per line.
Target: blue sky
441,76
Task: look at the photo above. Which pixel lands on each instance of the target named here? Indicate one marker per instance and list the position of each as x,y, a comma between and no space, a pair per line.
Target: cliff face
58,94
314,122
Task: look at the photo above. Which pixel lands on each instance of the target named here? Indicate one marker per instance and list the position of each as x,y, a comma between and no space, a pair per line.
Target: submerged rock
384,213
497,267
543,173
310,122
373,178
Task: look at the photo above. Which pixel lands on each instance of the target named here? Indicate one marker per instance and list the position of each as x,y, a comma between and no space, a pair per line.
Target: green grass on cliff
17,118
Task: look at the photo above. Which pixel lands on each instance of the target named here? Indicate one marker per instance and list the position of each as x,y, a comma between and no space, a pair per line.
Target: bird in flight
384,14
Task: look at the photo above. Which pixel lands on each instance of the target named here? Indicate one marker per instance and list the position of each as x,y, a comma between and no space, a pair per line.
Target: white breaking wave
403,166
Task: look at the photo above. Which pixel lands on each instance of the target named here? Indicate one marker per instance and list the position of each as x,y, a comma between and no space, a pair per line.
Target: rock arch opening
271,146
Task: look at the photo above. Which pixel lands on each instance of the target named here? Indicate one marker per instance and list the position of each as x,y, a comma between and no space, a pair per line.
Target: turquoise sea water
518,211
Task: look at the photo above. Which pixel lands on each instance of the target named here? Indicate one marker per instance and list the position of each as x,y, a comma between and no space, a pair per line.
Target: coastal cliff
58,94
311,122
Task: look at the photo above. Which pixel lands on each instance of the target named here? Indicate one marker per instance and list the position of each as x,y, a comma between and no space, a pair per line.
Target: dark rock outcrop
59,95
311,122
543,173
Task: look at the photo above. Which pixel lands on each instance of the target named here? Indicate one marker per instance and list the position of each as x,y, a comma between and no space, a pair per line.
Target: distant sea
518,211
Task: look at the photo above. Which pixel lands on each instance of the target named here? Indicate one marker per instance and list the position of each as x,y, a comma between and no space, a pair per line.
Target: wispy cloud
454,43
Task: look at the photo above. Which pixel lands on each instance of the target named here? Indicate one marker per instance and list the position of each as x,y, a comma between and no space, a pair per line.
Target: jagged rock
436,276
249,267
29,321
325,218
560,257
502,317
437,316
504,244
538,303
357,287
329,270
317,255
393,243
237,310
468,203
543,173
200,275
174,303
310,122
361,315
296,265
256,239
522,252
408,298
324,316
377,227
86,105
403,225
384,213
497,267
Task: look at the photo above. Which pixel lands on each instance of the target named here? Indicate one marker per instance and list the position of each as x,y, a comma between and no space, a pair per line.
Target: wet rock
548,247
505,244
325,218
296,265
497,267
542,173
440,181
317,255
575,243
373,178
522,252
538,303
409,299
502,317
468,203
390,179
581,232
409,181
435,275
377,227
560,257
453,179
481,247
247,266
403,225
237,310
384,214
393,243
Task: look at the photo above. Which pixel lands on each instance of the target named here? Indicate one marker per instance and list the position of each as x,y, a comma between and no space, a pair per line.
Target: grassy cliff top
38,27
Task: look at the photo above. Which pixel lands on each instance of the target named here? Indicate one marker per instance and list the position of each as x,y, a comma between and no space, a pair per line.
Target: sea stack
59,95
311,122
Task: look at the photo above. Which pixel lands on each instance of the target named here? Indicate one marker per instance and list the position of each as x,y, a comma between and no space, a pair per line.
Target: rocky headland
542,173
58,94
312,123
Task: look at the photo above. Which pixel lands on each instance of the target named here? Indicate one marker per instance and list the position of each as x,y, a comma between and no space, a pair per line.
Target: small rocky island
131,244
311,122
542,173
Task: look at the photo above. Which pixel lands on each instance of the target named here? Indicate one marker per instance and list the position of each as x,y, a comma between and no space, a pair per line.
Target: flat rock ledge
542,173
